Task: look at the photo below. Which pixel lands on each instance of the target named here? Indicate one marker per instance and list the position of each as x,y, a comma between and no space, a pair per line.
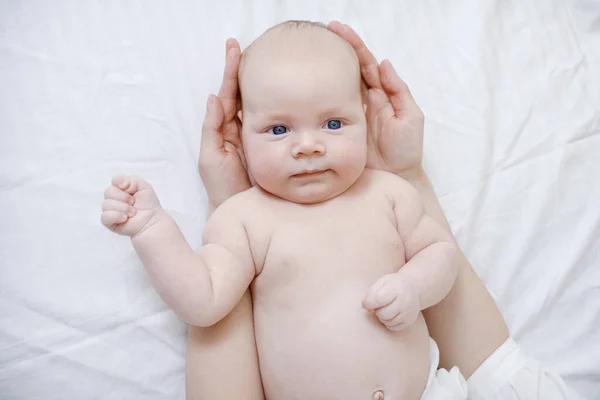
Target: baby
340,259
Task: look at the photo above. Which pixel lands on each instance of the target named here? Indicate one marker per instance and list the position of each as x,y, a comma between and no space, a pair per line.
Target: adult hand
395,122
221,163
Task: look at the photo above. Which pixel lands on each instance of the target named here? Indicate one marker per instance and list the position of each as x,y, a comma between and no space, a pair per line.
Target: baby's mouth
310,173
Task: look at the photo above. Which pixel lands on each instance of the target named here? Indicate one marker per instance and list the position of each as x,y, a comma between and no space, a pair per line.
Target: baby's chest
323,250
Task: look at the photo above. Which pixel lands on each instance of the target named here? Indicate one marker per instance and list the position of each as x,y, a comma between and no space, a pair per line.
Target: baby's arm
201,286
429,272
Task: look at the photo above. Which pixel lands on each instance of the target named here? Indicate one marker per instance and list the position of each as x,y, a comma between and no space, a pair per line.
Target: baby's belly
336,350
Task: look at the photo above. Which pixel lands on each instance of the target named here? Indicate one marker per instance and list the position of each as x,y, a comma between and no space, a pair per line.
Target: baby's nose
307,144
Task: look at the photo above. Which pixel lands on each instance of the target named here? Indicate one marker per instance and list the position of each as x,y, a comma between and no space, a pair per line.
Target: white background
88,89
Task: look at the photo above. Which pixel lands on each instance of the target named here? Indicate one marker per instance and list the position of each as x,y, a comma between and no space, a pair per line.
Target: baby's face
304,127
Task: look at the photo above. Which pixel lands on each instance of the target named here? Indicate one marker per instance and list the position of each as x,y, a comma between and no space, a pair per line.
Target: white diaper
508,374
441,384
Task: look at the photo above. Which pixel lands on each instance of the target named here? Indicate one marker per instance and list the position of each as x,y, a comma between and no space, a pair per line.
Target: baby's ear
239,114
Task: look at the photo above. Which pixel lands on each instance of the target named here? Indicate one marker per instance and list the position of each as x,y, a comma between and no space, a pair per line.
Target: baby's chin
312,193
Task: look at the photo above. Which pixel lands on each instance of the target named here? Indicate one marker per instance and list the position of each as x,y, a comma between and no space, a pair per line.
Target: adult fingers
212,136
379,105
396,89
230,44
228,93
368,63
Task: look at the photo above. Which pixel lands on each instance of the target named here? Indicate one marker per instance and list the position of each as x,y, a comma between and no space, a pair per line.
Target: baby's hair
286,26
299,24
283,26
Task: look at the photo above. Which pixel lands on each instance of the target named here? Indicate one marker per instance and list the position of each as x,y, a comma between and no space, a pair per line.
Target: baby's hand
395,300
130,206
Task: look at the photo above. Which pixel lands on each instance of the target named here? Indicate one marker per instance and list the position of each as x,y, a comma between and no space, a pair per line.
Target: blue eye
278,130
334,124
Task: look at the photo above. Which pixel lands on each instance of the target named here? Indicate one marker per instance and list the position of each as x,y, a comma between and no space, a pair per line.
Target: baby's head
304,128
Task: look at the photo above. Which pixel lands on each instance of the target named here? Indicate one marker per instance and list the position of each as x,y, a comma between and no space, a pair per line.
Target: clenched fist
130,206
395,301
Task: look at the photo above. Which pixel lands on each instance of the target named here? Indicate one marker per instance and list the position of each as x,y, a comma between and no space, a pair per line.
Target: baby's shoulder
395,189
386,181
244,204
236,204
250,210
240,201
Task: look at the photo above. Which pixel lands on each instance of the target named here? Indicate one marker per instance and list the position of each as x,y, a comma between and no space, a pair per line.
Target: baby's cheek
265,168
254,156
353,155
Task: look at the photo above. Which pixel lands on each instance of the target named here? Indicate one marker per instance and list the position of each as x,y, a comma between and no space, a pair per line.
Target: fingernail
123,218
123,184
208,101
131,211
131,200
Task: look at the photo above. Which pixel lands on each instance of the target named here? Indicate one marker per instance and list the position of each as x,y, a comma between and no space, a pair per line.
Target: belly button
378,395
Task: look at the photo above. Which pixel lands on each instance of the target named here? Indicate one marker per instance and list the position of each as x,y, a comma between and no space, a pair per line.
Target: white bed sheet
511,91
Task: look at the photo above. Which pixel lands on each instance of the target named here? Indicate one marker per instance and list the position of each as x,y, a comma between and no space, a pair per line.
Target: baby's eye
278,130
333,124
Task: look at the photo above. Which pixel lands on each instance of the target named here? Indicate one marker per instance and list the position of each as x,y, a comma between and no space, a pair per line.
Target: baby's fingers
398,319
398,327
111,219
398,315
389,312
115,205
130,184
114,193
380,294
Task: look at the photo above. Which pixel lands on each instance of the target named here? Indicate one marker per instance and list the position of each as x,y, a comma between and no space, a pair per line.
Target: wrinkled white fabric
443,384
508,374
89,89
